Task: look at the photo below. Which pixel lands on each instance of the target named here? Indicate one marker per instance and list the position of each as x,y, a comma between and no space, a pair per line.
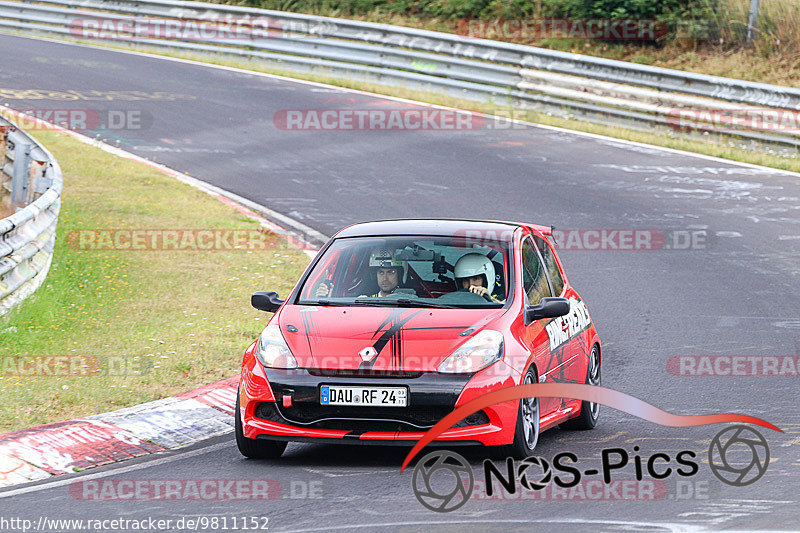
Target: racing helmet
475,264
384,258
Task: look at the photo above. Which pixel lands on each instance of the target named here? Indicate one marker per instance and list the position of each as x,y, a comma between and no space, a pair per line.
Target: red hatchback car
396,323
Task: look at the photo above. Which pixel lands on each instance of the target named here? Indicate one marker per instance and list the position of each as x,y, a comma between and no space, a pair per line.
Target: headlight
272,350
479,352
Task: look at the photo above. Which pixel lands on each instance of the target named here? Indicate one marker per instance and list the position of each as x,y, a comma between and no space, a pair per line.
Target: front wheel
255,448
526,433
590,411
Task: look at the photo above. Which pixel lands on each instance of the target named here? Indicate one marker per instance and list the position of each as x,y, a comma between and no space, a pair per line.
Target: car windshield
411,271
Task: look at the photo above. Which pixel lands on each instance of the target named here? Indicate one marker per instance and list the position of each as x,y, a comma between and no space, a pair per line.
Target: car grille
358,373
362,419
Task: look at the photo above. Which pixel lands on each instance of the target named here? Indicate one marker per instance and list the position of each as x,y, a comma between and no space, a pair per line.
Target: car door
568,350
536,286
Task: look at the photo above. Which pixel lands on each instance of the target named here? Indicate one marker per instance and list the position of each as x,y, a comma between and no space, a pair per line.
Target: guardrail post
20,181
752,23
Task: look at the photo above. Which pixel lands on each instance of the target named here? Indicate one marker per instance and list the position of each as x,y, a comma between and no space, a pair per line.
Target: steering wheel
463,296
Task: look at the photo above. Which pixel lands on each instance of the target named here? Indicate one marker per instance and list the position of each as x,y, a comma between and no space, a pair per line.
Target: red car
396,323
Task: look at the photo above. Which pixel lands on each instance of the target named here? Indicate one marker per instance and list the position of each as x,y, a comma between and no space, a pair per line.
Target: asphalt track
735,296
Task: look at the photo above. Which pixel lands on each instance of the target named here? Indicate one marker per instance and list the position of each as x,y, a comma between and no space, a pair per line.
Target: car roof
437,226
434,226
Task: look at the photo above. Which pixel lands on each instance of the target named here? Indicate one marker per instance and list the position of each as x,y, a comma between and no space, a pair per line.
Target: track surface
738,296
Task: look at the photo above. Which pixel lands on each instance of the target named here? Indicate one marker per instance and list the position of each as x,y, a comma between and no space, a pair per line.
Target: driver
387,270
474,272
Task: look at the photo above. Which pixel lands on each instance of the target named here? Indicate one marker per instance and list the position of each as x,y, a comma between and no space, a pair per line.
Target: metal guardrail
31,180
563,84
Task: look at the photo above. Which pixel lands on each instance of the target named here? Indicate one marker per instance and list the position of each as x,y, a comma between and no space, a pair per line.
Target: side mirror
547,308
266,301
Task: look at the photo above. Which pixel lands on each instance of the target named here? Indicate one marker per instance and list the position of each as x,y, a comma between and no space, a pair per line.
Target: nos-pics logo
443,481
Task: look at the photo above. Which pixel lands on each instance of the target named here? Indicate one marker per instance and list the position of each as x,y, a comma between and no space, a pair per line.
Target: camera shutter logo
442,481
544,477
738,455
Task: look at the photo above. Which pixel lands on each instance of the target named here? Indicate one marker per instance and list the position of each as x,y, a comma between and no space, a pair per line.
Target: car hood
390,338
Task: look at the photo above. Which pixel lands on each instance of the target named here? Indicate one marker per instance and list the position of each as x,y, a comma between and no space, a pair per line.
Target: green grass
157,322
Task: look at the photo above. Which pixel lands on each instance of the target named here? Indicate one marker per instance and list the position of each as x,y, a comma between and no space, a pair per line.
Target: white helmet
384,258
475,264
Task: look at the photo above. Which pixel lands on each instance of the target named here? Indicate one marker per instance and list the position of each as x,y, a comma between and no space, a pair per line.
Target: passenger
474,272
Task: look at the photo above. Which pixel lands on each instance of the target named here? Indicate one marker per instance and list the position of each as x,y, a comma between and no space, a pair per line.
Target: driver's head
477,281
474,269
388,270
388,278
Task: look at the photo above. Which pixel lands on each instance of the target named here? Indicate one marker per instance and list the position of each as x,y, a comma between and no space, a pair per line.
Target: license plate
366,396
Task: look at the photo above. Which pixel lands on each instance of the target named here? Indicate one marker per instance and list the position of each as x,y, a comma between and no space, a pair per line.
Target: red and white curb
63,447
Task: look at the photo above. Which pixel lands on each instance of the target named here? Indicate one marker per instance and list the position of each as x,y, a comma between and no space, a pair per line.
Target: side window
551,264
533,277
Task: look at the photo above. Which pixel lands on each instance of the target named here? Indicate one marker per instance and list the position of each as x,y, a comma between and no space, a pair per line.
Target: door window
533,274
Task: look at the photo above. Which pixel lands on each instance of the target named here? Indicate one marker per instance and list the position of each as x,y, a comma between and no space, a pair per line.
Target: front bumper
432,395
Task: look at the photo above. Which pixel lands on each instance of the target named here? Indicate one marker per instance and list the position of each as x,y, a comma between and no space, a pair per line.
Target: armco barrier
31,182
570,85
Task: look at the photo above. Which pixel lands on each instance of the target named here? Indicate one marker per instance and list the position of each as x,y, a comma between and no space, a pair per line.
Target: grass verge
156,323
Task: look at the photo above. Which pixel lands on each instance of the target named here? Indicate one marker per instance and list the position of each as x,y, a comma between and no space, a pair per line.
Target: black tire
590,411
526,432
255,448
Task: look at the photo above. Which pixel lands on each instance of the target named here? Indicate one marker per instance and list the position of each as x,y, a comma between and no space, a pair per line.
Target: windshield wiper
324,302
402,302
406,302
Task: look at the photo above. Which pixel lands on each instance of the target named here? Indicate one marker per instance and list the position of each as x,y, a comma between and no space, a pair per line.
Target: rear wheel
590,411
526,433
255,448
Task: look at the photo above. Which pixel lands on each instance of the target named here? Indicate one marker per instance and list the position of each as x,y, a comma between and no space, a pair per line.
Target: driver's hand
479,290
323,290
